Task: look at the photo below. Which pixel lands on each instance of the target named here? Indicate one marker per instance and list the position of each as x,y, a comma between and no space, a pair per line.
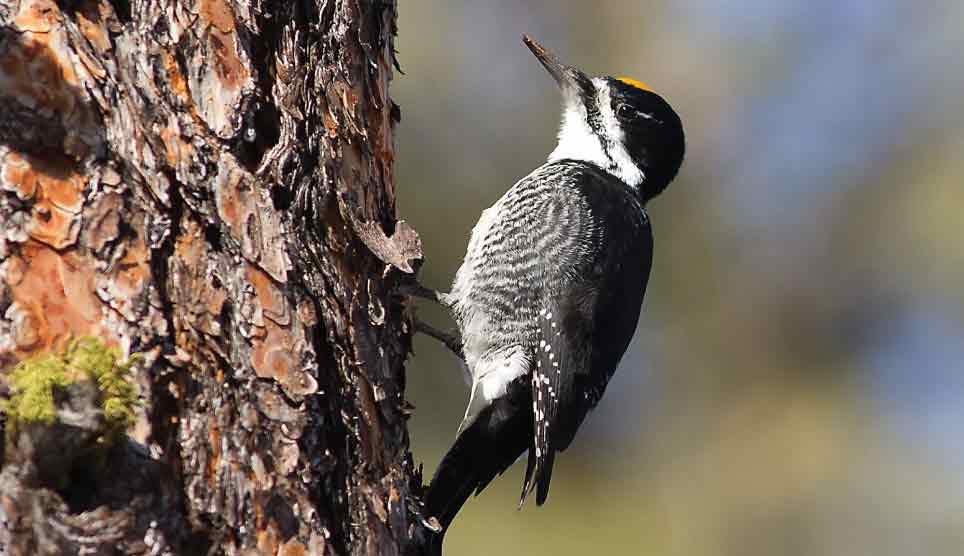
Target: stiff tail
454,480
538,476
483,450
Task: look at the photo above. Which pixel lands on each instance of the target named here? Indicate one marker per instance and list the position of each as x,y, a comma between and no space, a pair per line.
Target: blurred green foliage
795,383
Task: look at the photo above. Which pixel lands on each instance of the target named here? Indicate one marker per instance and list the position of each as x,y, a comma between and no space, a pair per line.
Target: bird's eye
625,112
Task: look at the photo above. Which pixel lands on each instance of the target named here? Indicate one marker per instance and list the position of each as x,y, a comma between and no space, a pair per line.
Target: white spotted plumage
549,293
490,336
543,245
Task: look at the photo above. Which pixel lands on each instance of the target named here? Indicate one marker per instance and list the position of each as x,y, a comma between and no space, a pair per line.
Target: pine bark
209,184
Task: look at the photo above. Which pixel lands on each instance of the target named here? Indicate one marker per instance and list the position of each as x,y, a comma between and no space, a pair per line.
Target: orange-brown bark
209,184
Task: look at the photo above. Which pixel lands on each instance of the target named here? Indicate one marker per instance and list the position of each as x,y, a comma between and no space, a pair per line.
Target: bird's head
617,123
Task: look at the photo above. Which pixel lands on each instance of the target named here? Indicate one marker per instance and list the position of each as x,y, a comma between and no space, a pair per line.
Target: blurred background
796,384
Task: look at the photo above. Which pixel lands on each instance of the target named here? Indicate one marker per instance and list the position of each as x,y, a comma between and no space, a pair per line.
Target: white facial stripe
578,142
622,164
576,139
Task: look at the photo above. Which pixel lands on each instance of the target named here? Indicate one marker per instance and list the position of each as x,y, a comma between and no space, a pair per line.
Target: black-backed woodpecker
549,294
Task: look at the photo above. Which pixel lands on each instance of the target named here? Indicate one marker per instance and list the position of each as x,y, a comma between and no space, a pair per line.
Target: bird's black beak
569,79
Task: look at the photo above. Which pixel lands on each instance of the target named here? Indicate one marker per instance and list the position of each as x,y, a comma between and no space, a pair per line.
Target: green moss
33,381
90,357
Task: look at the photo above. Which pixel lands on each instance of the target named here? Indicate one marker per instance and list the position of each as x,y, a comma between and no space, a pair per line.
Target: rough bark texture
209,183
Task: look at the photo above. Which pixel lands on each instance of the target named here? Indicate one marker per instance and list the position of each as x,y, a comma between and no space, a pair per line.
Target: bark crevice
209,184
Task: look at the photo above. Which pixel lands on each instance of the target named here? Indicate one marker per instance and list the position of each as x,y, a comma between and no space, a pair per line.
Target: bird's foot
415,289
451,340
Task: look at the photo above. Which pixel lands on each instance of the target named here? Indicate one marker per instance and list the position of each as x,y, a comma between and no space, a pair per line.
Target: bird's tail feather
453,482
538,476
483,450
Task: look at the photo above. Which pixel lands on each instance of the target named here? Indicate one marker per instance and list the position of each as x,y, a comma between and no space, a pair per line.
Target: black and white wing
588,311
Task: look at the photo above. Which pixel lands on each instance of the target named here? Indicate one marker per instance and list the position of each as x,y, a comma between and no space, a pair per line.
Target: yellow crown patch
635,83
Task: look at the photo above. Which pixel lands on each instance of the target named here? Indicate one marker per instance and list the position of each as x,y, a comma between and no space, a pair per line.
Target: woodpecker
550,291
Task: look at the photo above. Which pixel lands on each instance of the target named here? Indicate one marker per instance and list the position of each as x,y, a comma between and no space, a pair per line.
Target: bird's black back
587,262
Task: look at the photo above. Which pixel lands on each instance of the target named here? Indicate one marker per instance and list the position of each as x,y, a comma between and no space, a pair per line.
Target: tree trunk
209,184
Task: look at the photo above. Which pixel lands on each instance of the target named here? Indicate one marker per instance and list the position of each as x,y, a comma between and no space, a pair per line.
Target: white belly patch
493,373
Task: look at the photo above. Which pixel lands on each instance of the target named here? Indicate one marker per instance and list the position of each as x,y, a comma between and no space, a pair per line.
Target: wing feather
588,312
